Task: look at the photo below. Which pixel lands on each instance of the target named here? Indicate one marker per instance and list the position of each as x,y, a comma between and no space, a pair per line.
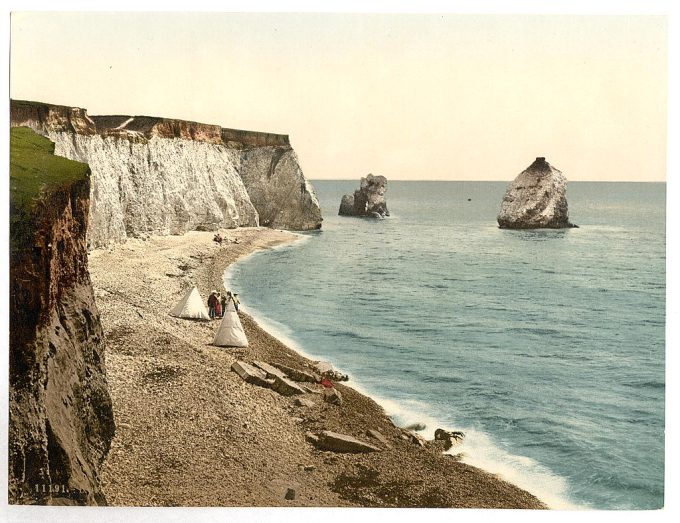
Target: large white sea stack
536,199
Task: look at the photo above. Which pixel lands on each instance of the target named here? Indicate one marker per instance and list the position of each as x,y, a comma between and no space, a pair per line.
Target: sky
424,97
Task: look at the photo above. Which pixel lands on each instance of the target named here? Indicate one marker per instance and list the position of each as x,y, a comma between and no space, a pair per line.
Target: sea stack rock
536,199
60,414
368,200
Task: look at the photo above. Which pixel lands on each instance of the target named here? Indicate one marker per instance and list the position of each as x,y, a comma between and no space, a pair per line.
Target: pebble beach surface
191,432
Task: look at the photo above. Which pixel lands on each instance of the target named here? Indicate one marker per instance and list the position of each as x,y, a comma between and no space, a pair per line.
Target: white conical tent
191,306
230,333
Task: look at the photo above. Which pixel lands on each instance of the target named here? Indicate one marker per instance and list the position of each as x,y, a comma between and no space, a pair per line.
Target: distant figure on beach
223,302
212,301
218,306
232,298
218,238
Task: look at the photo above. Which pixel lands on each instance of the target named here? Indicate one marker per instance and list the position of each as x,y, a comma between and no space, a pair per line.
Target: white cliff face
163,176
536,199
158,186
278,189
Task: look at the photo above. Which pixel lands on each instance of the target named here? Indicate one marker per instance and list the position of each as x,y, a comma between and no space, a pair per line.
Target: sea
545,347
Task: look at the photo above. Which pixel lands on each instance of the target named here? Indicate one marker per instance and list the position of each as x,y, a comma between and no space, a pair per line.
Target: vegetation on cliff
60,416
33,168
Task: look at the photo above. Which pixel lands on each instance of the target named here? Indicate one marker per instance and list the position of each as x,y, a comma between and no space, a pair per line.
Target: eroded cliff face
282,196
60,415
162,176
536,199
158,185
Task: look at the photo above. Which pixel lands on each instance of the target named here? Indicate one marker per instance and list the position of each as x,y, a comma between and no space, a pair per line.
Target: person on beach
223,303
218,238
218,306
212,301
236,301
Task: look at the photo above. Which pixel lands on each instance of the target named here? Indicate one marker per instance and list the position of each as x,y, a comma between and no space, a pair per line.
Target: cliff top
75,119
34,168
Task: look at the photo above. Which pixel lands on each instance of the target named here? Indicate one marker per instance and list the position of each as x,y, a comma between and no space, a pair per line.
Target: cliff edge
536,199
164,176
60,415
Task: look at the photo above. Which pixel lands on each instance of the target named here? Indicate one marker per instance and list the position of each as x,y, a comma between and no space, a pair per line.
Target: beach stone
536,199
302,402
250,374
290,493
332,396
337,442
311,437
309,389
297,375
271,371
327,371
414,438
285,387
377,435
449,438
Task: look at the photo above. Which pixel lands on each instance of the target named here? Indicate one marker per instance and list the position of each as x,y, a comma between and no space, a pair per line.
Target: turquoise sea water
545,347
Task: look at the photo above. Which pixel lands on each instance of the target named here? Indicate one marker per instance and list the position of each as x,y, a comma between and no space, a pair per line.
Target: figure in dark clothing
218,306
223,302
212,301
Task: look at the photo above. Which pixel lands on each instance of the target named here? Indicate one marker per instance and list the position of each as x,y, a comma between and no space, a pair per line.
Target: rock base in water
368,200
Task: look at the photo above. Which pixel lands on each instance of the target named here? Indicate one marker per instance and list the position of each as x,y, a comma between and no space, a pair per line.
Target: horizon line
489,181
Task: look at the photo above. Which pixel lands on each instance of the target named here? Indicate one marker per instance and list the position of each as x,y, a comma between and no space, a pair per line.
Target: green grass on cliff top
34,167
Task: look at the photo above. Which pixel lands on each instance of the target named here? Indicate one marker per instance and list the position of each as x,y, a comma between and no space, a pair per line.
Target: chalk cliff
368,200
60,416
163,176
536,199
284,199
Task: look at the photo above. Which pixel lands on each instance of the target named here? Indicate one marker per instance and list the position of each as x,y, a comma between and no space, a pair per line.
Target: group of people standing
217,304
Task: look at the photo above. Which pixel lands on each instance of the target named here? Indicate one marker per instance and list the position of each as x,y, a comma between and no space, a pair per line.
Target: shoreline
192,433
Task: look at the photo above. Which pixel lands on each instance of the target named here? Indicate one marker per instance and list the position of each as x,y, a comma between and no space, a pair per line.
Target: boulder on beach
449,438
333,396
536,199
297,374
336,442
286,387
368,200
327,371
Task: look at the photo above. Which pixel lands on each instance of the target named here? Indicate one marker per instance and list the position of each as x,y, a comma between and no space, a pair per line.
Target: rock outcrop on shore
163,176
536,199
60,412
368,200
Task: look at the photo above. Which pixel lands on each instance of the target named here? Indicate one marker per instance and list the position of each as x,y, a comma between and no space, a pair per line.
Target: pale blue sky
406,96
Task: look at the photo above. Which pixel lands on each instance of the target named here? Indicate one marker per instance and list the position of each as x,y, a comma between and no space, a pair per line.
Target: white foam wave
480,451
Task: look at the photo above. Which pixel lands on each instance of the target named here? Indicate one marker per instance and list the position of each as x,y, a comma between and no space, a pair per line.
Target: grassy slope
33,169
